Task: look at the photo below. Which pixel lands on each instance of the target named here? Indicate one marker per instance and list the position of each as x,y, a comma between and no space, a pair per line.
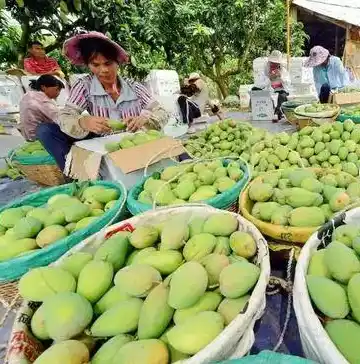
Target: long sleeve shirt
334,73
87,94
36,108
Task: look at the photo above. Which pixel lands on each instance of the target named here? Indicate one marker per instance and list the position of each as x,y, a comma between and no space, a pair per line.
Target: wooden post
288,32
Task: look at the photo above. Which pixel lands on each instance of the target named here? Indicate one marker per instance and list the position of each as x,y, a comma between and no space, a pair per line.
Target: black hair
189,90
35,42
90,47
47,81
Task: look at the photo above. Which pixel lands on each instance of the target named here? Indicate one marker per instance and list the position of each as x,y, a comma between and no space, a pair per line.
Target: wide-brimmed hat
276,57
194,76
318,55
72,51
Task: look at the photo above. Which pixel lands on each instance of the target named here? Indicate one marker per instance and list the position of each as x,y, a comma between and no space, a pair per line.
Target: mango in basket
306,216
229,308
74,263
38,324
66,315
55,218
41,283
199,246
114,250
222,224
110,299
222,245
12,248
143,351
144,236
50,235
108,351
100,194
194,334
137,280
231,286
214,264
27,227
155,314
65,352
328,296
344,334
9,217
120,319
94,280
243,244
174,233
39,213
83,223
317,265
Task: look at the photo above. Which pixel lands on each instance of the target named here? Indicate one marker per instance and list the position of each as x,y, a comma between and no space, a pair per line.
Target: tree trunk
24,41
223,87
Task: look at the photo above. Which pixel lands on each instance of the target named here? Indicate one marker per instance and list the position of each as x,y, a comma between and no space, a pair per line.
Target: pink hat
72,52
318,55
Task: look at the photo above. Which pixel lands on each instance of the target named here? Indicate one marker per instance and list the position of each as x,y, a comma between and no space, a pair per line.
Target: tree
209,35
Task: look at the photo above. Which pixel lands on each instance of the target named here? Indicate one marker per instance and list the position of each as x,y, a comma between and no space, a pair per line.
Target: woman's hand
135,123
95,124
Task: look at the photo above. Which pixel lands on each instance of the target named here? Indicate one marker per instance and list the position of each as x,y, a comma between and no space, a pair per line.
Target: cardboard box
345,98
262,105
88,159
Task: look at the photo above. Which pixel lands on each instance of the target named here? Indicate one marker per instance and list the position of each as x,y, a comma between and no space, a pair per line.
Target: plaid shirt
87,94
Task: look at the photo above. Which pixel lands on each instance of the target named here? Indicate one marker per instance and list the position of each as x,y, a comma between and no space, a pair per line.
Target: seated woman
276,79
38,105
189,110
103,95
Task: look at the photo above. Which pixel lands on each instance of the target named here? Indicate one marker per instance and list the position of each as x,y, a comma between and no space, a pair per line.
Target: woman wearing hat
329,72
103,95
276,78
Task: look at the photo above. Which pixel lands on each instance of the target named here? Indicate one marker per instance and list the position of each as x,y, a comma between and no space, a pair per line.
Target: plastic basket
42,170
227,200
14,268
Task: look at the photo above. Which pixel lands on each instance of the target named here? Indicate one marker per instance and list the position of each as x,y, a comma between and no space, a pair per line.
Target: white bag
233,342
315,341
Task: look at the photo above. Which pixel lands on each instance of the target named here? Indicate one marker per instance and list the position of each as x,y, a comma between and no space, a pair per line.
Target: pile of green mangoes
333,283
157,295
34,149
133,140
327,146
318,108
27,228
301,197
351,110
225,138
349,89
190,183
11,172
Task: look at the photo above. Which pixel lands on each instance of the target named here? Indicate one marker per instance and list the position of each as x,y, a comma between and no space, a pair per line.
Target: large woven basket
42,170
278,232
234,341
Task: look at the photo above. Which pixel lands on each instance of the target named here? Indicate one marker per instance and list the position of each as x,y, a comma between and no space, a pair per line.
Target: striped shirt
87,94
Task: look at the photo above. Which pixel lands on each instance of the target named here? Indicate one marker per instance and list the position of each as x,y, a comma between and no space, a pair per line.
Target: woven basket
42,170
234,341
47,175
278,232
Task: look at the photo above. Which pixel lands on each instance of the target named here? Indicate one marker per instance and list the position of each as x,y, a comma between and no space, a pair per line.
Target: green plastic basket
14,268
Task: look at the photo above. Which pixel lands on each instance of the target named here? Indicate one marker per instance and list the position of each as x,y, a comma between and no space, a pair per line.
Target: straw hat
72,52
276,57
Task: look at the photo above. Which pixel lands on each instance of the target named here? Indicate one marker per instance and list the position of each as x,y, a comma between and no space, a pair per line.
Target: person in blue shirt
329,72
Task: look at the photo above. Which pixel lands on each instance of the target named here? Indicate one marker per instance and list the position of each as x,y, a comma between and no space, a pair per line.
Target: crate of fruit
38,228
217,183
184,283
36,164
291,204
350,112
326,292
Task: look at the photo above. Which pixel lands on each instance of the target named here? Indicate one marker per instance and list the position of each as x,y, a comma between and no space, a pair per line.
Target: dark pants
324,93
189,110
57,143
282,97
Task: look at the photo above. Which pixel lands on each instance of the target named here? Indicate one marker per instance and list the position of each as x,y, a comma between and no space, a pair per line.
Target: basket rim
326,114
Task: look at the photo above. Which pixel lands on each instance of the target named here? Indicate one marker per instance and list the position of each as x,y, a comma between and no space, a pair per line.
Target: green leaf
77,5
20,3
